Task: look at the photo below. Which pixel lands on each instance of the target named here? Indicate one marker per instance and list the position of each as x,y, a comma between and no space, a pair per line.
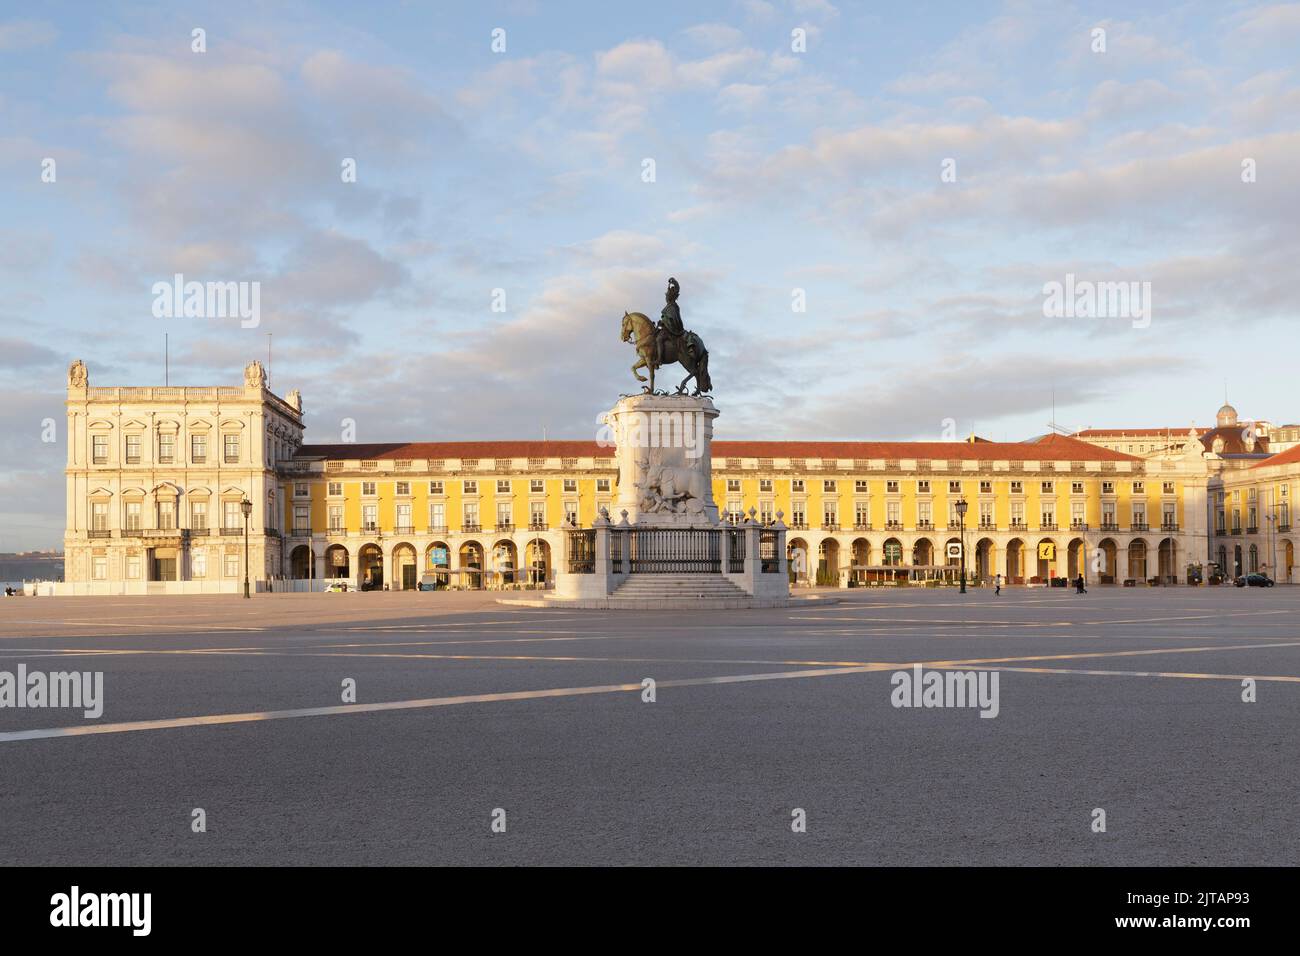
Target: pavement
469,712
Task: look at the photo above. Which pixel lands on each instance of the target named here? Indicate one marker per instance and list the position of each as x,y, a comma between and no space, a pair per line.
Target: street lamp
246,507
961,517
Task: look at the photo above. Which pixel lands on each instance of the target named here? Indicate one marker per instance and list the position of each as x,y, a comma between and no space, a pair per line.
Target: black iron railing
581,556
769,559
617,545
675,551
735,551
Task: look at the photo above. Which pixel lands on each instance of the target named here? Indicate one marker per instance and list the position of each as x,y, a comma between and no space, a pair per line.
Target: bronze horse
697,364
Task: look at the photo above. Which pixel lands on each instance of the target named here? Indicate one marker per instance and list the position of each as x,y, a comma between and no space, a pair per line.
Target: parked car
1254,580
336,587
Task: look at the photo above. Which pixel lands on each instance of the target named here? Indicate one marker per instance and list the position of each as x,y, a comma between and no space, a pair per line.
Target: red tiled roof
1173,433
374,451
1049,447
1234,441
1288,457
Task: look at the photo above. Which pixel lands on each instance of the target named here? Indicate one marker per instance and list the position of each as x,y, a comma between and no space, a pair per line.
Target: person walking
1078,585
997,585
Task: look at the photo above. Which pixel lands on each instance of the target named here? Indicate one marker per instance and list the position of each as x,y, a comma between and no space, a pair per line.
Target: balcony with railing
925,526
1137,525
505,527
1170,526
1252,529
404,529
1078,526
437,529
538,526
99,533
1017,525
471,527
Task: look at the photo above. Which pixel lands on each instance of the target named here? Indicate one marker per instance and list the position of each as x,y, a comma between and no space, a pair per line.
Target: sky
863,206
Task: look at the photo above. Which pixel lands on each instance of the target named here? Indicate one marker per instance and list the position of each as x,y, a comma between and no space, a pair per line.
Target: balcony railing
1047,526
925,526
1284,528
232,530
1236,531
1169,526
862,526
336,530
437,529
830,526
200,532
798,526
1018,526
1252,530
538,526
893,526
471,528
100,533
1136,525
1078,526
1108,526
505,526
405,529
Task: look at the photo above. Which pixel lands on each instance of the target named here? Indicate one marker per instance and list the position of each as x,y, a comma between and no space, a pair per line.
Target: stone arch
503,563
799,559
300,563
1076,559
470,564
1046,568
370,567
406,568
337,562
1167,561
437,563
1137,559
537,554
985,559
922,552
828,562
1016,561
860,558
1109,569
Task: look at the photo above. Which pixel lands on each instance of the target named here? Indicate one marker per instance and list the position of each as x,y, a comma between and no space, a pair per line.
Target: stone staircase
672,591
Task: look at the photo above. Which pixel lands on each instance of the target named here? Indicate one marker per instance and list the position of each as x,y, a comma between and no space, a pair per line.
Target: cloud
26,34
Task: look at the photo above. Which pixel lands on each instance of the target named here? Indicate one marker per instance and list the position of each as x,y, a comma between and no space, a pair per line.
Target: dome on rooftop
1227,417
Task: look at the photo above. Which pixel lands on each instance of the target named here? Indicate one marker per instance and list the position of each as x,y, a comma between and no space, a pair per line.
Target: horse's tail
702,372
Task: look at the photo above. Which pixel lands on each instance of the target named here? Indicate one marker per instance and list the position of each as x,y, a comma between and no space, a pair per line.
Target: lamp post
961,517
246,507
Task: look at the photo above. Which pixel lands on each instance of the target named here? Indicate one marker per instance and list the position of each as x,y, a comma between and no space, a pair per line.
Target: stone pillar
663,451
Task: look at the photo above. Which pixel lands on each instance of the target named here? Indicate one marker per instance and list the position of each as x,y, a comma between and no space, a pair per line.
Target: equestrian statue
666,342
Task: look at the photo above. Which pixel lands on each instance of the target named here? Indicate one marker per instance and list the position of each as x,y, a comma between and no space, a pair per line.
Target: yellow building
156,477
859,512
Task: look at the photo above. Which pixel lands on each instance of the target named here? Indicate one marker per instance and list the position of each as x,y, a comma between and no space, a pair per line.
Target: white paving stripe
847,667
417,704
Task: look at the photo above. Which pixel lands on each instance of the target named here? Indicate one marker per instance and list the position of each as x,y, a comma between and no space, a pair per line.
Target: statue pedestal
664,546
664,458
